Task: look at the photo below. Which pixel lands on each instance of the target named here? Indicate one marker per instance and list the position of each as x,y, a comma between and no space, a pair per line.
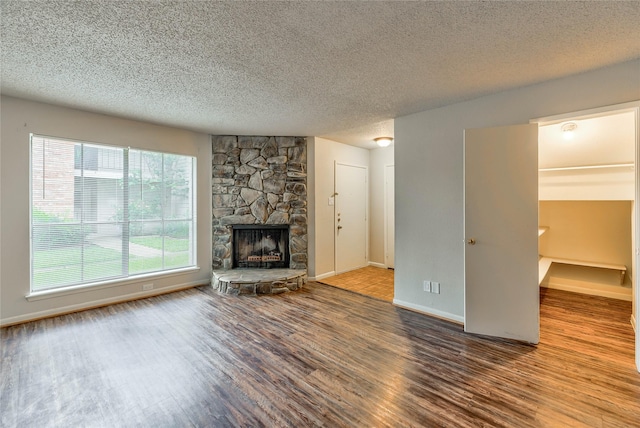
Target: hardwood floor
316,357
370,281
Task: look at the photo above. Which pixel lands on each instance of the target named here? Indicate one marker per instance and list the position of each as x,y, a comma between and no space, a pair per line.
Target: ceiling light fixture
568,130
383,141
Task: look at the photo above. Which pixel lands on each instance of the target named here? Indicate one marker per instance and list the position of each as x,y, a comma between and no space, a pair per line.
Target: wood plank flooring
370,281
316,357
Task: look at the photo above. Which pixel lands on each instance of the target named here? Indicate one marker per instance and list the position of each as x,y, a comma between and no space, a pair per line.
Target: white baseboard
429,311
95,304
322,276
378,265
610,291
633,322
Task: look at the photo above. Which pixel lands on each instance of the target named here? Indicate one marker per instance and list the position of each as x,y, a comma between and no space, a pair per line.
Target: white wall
429,171
380,158
322,155
19,118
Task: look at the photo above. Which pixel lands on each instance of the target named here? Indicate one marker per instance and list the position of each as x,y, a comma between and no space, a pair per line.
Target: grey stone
283,206
299,258
280,160
299,219
272,198
259,163
250,195
298,245
282,151
298,204
221,239
241,181
240,203
301,141
296,174
296,167
224,143
238,219
267,174
245,170
221,251
260,210
297,188
270,148
288,196
223,181
278,217
247,142
247,155
292,285
298,230
219,159
285,141
279,290
255,182
247,289
244,210
263,288
222,212
222,201
298,154
299,211
235,190
278,168
222,230
223,171
274,185
218,188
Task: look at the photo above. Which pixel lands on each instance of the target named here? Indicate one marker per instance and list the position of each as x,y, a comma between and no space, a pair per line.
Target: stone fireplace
259,194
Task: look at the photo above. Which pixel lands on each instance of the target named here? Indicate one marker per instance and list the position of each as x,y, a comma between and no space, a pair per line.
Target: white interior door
389,215
351,217
501,232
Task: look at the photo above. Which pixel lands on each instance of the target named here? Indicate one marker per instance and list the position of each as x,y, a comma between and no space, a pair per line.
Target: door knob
471,241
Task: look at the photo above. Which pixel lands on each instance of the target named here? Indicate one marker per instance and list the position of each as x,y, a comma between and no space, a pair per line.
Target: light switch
332,201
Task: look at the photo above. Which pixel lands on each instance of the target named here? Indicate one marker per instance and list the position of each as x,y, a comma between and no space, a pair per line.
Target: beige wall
380,158
19,118
322,155
598,231
429,174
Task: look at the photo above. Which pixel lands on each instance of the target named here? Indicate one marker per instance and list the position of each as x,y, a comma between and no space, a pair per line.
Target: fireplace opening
263,247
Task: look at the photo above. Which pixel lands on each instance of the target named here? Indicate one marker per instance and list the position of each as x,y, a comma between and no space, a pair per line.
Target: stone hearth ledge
258,281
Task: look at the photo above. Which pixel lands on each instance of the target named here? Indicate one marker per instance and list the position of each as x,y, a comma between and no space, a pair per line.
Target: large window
102,212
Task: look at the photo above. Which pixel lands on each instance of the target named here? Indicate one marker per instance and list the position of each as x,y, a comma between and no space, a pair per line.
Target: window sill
74,289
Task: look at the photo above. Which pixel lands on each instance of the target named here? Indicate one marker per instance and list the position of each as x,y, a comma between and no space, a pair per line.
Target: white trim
429,311
588,113
385,207
378,265
322,276
95,304
82,288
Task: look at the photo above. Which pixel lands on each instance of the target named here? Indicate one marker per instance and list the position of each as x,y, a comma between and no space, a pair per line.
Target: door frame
335,211
634,107
386,211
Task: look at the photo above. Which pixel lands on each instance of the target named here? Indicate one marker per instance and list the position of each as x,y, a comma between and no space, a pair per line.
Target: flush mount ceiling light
383,141
568,130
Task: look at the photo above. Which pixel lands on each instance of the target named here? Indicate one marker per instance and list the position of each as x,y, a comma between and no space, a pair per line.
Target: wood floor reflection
316,357
370,281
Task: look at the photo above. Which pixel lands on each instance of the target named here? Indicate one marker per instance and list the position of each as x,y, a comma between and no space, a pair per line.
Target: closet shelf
545,263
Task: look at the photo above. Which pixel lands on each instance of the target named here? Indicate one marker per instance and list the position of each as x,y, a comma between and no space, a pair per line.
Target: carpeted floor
370,281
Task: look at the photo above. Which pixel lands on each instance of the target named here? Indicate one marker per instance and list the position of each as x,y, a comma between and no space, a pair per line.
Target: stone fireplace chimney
259,180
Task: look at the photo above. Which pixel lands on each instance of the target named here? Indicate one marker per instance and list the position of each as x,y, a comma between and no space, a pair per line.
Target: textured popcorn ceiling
334,69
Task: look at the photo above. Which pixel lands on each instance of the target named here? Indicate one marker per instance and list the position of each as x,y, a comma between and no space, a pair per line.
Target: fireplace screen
262,246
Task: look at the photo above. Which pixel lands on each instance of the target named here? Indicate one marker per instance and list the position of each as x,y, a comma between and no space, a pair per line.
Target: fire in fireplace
260,246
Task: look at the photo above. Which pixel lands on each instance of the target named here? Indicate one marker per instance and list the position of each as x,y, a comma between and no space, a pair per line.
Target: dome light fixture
568,130
383,141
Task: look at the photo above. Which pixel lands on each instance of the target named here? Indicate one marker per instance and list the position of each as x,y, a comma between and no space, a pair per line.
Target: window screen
103,212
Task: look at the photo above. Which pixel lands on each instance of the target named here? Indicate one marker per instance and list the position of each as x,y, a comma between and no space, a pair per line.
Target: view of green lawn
62,266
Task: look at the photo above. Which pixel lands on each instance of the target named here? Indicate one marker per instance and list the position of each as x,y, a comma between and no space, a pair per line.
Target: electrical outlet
147,287
435,287
426,285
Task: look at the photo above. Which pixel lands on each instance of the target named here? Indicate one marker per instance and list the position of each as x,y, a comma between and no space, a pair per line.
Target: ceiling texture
340,70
